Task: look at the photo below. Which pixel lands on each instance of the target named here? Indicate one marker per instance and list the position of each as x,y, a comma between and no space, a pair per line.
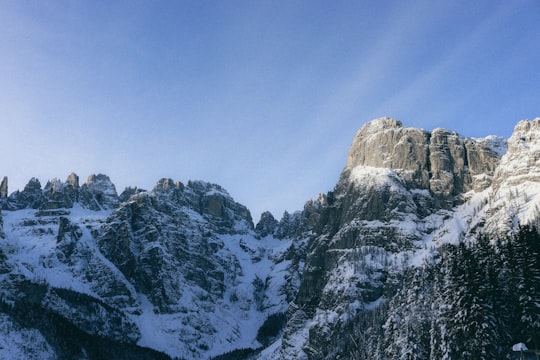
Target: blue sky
261,97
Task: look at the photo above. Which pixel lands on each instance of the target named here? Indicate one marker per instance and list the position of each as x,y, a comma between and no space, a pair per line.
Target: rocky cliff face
513,198
158,242
4,188
181,270
440,161
403,193
98,193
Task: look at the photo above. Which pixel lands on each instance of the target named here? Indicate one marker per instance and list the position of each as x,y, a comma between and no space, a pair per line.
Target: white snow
31,243
519,347
17,343
495,143
207,327
232,323
369,176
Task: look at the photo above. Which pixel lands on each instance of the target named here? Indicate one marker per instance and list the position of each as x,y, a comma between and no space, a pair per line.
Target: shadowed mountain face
181,271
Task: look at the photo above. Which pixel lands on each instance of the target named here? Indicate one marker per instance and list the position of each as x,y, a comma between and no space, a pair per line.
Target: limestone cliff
399,191
440,161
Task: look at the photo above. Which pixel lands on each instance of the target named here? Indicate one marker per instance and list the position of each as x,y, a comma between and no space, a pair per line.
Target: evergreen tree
474,302
527,255
468,327
485,287
440,340
407,327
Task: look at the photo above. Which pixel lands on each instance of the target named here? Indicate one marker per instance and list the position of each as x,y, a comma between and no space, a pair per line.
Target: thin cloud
433,79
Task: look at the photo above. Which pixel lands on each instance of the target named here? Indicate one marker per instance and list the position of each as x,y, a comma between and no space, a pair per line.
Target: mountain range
427,248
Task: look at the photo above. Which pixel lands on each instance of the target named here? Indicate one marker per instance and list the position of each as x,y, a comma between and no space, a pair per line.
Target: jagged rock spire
4,188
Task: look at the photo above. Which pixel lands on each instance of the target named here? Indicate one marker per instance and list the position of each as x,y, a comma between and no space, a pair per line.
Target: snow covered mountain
182,272
179,269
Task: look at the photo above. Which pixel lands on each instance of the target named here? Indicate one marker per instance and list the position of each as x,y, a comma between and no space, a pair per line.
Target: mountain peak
181,268
527,125
526,135
441,161
384,142
381,124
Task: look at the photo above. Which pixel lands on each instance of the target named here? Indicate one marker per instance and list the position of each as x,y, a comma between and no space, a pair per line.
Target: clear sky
261,97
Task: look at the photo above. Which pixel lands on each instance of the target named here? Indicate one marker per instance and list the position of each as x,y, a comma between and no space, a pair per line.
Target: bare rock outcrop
159,238
385,143
31,197
441,161
98,193
522,161
516,182
267,225
59,195
4,188
395,182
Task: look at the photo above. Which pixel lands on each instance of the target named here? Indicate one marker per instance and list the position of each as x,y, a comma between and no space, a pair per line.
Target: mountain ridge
178,264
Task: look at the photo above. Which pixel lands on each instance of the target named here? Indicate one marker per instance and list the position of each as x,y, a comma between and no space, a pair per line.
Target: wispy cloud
443,82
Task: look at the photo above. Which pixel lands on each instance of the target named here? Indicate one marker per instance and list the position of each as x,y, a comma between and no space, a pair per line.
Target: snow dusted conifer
527,244
409,316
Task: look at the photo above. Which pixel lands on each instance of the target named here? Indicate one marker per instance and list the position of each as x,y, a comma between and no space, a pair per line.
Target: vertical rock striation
98,193
397,186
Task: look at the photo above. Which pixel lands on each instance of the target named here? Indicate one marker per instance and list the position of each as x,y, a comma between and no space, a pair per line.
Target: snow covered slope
179,269
402,196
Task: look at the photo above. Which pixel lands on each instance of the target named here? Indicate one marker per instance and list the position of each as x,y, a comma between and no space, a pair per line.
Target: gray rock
4,188
60,195
72,187
128,193
393,176
267,224
98,193
2,233
385,143
215,204
68,235
158,243
31,197
441,161
515,181
522,161
56,196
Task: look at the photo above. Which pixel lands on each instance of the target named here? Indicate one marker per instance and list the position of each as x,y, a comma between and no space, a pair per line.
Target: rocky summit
427,248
